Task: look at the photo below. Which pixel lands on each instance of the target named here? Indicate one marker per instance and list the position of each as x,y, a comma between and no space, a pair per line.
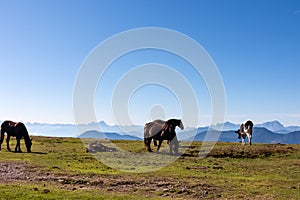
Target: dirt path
14,172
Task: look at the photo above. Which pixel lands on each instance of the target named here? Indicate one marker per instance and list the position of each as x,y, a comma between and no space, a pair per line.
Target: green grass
230,171
23,192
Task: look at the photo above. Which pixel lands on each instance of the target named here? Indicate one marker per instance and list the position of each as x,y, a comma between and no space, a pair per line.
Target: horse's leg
147,142
243,139
171,145
2,138
159,144
174,144
7,142
155,142
18,146
250,139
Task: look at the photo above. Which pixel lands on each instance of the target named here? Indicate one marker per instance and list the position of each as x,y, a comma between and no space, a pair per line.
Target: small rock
182,191
46,191
218,167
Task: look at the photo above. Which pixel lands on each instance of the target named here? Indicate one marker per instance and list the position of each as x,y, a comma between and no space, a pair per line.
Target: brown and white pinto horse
245,131
162,130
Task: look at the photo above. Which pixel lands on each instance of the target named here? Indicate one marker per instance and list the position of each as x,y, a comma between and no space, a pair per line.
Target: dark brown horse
162,130
244,131
18,130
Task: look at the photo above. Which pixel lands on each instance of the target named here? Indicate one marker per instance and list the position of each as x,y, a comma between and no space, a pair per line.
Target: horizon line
87,123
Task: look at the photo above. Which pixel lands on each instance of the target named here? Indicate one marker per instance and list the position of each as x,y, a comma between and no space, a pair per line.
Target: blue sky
255,45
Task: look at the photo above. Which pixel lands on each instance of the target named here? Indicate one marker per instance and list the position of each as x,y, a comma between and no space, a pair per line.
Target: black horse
18,130
162,130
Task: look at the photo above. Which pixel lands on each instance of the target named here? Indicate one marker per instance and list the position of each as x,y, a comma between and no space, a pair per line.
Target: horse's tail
147,138
249,125
2,136
146,142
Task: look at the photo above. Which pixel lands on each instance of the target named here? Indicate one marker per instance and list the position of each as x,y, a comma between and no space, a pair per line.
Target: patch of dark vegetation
236,151
95,147
73,181
197,167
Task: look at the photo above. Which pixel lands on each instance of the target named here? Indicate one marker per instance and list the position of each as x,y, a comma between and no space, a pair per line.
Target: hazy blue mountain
135,130
56,130
292,128
272,126
107,135
226,126
277,127
70,130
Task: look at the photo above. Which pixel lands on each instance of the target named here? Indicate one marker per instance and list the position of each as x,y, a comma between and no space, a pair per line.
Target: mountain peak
102,123
273,125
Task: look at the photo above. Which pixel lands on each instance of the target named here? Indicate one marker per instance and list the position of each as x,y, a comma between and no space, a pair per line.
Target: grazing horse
245,130
18,130
162,130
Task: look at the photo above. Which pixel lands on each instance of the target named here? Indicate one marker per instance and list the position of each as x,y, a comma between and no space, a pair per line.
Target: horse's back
10,124
159,121
153,128
14,128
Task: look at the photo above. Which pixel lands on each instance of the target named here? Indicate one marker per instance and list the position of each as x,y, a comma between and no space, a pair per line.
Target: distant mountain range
260,135
107,135
274,126
268,132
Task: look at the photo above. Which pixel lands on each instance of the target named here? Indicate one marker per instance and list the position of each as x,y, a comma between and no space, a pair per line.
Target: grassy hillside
60,168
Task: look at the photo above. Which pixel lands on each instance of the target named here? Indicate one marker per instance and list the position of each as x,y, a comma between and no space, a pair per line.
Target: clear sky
255,45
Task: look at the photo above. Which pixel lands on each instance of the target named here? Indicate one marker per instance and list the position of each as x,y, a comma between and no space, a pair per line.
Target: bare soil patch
150,186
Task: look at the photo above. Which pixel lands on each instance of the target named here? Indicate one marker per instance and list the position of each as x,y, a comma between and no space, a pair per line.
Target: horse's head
181,125
175,122
239,133
28,143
